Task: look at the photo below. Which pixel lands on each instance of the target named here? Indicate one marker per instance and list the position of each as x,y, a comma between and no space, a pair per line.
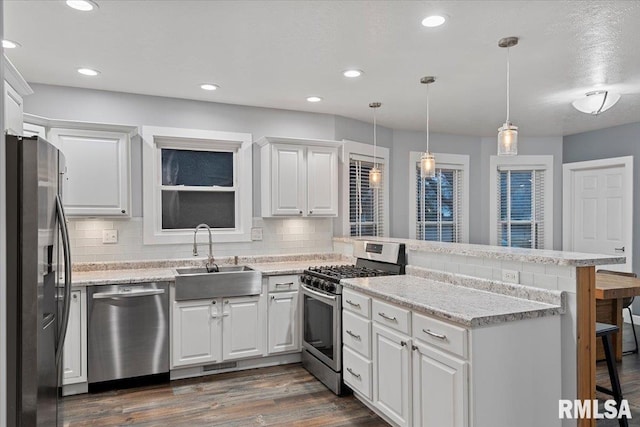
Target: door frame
568,208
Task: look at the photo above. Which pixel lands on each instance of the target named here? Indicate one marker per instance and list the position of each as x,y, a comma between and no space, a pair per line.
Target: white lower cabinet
392,374
196,332
241,328
283,322
74,354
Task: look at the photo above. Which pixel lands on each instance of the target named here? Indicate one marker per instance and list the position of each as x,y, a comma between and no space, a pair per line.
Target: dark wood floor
279,396
629,372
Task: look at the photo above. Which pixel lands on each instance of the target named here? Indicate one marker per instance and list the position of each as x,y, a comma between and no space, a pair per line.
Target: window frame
359,149
157,138
522,163
443,161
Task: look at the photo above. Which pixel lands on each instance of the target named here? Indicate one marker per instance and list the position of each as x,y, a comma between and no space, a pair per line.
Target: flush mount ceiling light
88,72
596,102
375,175
9,44
352,73
314,99
433,21
209,86
427,160
82,5
508,133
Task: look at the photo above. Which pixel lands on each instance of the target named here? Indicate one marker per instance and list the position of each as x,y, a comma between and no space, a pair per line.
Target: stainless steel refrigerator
38,281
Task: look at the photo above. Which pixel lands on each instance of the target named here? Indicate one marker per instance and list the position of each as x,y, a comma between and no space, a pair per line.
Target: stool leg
613,375
633,328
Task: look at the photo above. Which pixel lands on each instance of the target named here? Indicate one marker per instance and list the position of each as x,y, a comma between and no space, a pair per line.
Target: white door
74,370
391,374
196,332
439,388
288,180
283,329
322,181
598,208
242,332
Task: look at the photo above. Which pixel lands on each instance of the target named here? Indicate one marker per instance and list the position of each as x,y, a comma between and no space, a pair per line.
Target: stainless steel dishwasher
128,331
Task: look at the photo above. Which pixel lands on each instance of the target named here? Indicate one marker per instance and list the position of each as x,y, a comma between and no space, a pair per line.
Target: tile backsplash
279,236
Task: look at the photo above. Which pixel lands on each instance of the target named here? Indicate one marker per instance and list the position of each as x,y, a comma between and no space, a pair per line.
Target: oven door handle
319,295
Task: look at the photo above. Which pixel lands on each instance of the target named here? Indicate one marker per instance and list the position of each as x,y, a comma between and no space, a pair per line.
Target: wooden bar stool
604,331
626,304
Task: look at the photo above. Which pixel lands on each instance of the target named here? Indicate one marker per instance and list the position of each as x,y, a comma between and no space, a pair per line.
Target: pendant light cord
427,118
375,159
508,49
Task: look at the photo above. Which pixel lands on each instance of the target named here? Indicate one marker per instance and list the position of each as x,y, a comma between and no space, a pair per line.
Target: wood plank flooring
278,396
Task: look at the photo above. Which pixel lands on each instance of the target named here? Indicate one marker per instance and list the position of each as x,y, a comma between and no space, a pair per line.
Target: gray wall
617,141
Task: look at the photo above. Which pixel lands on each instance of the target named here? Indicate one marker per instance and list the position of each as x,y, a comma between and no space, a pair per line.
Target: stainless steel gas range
322,306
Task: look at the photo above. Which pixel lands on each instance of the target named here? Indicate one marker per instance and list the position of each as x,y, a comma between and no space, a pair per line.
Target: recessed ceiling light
352,73
433,21
82,5
314,99
8,44
88,72
209,86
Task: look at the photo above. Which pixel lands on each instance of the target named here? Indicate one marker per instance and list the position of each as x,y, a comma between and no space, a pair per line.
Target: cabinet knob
403,343
213,302
123,211
300,212
75,296
226,301
273,297
310,212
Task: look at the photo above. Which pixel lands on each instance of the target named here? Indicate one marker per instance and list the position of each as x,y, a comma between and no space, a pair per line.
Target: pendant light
427,160
508,133
375,175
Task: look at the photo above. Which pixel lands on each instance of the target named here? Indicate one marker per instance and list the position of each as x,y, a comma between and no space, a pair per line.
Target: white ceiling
276,53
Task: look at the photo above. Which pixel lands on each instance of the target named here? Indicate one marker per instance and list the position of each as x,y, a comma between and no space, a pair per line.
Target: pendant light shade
427,160
508,133
375,174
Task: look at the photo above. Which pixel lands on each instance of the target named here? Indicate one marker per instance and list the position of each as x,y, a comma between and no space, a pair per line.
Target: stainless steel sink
229,281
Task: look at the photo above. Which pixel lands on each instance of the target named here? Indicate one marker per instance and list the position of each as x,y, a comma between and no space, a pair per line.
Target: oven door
322,323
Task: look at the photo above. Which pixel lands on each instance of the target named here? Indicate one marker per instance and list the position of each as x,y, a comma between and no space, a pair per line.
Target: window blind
439,201
366,204
521,207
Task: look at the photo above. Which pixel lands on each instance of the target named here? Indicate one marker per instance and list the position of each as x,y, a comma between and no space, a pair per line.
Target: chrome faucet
210,265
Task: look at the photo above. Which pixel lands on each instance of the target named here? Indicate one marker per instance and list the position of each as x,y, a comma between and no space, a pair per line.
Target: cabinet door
439,388
288,180
283,330
13,109
391,376
74,357
242,333
196,332
97,171
322,181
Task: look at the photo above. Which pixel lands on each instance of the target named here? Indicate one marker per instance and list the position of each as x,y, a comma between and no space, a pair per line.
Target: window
365,203
365,211
439,204
193,177
522,202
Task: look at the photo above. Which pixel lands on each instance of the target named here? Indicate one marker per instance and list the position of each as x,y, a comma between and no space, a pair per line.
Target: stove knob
330,287
315,282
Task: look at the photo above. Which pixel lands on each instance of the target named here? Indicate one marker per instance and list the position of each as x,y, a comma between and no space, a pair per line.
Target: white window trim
443,161
194,138
523,163
361,149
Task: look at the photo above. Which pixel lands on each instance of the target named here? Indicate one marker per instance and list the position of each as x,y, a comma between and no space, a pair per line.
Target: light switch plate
256,234
109,236
511,276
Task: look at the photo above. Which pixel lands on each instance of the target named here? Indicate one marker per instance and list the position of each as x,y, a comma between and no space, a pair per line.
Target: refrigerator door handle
66,248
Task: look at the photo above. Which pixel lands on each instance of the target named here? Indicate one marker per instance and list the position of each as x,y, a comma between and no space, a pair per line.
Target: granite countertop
460,304
152,273
538,256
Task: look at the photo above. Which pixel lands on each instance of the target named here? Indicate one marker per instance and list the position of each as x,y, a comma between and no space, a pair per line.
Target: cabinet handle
403,343
384,316
289,284
351,303
226,302
353,373
619,249
273,297
435,335
357,337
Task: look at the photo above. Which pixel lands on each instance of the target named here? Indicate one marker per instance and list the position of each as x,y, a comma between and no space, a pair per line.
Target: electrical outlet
256,234
109,236
511,276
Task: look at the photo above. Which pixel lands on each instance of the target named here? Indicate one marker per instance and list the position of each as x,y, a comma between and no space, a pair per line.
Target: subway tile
567,284
545,281
511,265
526,278
484,272
466,269
533,268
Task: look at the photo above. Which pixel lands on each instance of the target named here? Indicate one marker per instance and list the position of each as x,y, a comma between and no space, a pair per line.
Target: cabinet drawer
356,303
356,333
283,283
391,316
357,372
439,334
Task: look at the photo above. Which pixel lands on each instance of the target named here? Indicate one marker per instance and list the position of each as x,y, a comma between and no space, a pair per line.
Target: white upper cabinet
14,89
299,177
